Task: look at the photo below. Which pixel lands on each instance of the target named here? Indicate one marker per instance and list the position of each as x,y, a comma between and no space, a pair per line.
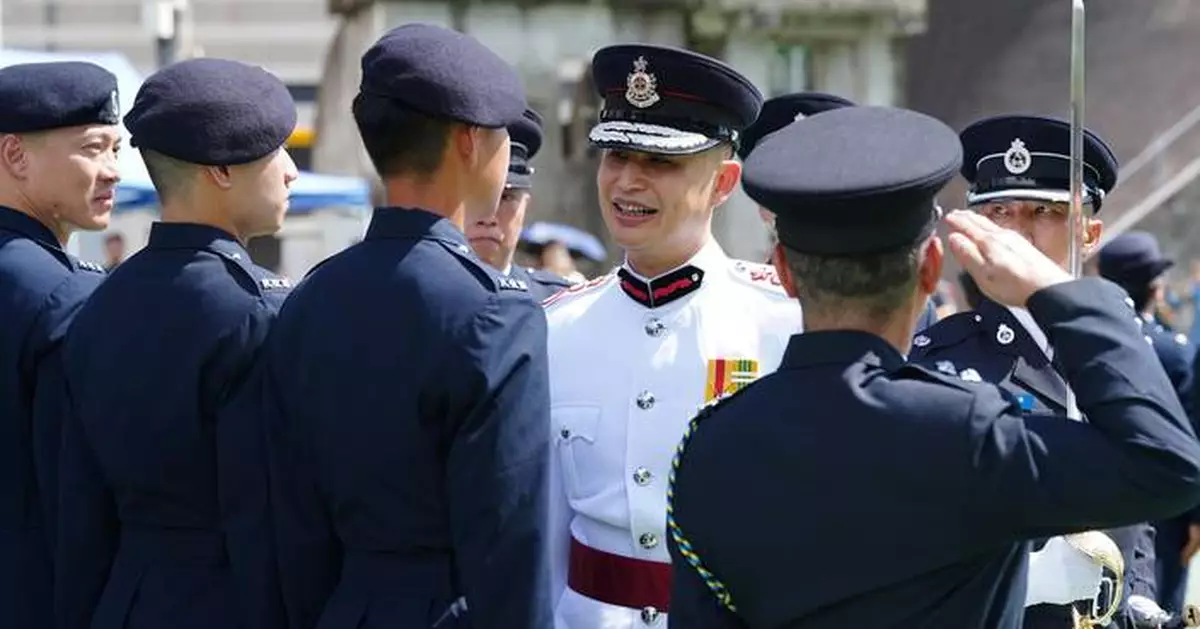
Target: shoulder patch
511,283
761,275
945,333
275,283
481,268
91,266
577,289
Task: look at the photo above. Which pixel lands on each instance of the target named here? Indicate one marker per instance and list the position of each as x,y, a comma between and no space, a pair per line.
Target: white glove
1145,612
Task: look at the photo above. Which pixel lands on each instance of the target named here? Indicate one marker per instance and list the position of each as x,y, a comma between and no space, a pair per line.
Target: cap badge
800,116
1005,335
641,87
1017,158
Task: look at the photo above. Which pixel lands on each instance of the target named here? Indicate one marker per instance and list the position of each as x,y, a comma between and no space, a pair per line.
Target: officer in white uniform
635,353
1018,168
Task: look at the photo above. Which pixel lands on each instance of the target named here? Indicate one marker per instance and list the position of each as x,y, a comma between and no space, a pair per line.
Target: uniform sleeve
49,411
496,468
693,605
89,530
1137,547
307,547
242,472
49,405
1135,459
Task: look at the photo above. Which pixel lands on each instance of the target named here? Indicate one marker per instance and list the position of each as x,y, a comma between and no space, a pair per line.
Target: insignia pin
921,341
1017,158
970,375
641,87
1005,334
946,366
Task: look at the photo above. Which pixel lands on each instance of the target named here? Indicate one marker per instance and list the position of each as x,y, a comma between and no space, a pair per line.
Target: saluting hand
1008,268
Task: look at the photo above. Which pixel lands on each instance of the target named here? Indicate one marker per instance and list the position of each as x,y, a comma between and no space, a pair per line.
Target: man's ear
1092,232
929,272
729,173
219,176
786,279
14,156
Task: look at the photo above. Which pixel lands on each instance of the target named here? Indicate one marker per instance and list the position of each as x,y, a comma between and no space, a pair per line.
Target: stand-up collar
396,222
28,226
674,284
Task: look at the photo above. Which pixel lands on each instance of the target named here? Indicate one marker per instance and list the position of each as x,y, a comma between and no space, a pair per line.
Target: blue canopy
575,239
309,192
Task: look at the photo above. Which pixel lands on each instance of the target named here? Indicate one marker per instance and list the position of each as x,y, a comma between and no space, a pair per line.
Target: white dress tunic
631,361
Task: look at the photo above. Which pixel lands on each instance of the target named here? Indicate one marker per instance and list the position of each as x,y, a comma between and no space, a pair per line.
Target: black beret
443,73
41,96
670,101
213,112
781,111
525,137
1029,157
1133,260
853,181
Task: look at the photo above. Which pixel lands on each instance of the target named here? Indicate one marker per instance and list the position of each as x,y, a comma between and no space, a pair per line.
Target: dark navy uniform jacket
542,284
993,343
407,394
163,497
41,289
894,495
1176,354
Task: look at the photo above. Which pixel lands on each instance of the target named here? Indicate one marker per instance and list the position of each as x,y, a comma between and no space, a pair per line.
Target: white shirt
1058,573
625,380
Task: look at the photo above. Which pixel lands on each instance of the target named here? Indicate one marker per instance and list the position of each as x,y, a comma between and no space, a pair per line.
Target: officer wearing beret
846,434
58,174
1134,262
494,237
1018,170
678,323
781,111
163,501
406,379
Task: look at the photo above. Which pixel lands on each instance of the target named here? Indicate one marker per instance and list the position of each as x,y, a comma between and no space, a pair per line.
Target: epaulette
577,289
916,371
546,277
762,276
499,281
945,333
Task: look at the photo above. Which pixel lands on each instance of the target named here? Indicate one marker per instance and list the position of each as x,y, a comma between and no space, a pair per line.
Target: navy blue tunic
41,289
406,392
892,495
163,497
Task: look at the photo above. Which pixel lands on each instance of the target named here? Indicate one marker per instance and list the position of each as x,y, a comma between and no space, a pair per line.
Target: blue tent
309,192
